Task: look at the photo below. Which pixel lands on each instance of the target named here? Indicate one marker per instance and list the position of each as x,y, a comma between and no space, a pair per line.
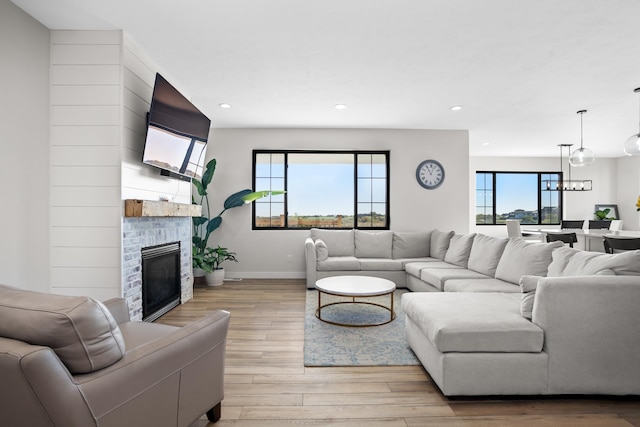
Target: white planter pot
215,278
198,272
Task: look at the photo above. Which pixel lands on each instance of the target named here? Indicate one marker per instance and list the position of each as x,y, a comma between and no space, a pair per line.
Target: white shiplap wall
85,139
101,87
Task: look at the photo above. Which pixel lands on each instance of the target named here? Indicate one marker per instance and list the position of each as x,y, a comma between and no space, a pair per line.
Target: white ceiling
521,69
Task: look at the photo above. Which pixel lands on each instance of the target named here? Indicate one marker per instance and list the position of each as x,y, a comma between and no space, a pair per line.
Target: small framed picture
602,213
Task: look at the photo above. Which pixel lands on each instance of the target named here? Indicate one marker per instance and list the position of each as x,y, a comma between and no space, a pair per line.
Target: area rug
330,345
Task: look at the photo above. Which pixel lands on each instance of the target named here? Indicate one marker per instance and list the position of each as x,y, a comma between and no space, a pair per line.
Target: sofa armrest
310,262
192,357
119,309
590,333
37,389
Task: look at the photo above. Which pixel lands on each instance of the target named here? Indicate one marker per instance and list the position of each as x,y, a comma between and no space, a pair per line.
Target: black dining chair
599,224
571,224
612,244
569,238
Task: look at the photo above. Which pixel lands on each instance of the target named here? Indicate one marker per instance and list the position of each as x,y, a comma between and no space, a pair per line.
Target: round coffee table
355,287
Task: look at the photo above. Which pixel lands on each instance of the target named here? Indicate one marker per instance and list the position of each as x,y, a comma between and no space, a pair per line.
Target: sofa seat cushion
473,322
414,268
136,334
406,261
346,263
437,277
380,264
81,331
485,285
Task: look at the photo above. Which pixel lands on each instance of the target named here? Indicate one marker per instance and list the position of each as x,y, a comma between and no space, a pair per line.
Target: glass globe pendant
582,156
632,144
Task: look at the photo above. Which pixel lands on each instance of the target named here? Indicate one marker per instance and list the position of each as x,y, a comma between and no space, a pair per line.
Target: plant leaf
207,176
252,197
237,199
199,187
199,220
213,224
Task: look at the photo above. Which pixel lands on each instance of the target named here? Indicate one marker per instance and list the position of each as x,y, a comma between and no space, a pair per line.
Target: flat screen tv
177,133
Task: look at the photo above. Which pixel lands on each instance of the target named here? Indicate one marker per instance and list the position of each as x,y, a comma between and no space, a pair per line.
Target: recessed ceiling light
339,106
486,143
224,105
456,107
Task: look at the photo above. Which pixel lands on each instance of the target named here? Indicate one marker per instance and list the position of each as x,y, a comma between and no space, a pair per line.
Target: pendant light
632,144
582,156
566,184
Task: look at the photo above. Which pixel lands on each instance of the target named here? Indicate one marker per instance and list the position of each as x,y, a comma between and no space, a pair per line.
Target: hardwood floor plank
344,411
339,388
523,420
267,384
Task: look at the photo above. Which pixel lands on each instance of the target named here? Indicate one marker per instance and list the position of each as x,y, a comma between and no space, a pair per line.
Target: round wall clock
430,174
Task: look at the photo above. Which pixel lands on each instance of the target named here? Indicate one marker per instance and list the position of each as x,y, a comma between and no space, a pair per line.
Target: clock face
430,174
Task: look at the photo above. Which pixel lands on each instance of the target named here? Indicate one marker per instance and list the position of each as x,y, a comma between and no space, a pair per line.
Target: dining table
589,239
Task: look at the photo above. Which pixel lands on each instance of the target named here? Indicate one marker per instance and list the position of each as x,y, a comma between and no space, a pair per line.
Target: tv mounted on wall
177,133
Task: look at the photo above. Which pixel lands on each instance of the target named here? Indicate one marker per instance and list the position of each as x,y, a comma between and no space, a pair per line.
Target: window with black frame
323,189
517,195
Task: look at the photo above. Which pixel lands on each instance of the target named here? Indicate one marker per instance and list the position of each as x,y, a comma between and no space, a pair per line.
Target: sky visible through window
516,191
320,189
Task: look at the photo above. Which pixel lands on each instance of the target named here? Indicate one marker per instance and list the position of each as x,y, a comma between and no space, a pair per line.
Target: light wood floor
266,383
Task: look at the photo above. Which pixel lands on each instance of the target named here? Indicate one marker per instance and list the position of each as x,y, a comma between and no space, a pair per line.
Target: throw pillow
440,243
322,252
485,254
81,331
521,258
459,249
339,242
560,259
373,245
528,285
411,244
586,263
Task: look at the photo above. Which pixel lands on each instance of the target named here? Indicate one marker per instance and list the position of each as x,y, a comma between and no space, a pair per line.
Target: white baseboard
238,275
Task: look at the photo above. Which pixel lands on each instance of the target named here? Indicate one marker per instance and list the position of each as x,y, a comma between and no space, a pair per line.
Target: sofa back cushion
522,258
373,244
571,262
411,244
439,243
80,330
485,254
339,242
459,249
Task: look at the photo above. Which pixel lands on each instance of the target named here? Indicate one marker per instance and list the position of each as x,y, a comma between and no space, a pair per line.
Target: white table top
355,286
586,232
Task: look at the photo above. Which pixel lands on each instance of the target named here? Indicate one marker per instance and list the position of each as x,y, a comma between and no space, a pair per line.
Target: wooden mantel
139,208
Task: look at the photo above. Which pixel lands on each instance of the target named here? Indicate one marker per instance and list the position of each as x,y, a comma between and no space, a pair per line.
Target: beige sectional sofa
495,316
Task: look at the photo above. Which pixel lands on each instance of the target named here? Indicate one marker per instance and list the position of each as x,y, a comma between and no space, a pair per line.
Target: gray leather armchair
73,361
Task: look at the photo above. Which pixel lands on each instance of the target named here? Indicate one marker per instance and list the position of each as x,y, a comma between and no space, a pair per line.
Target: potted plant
204,225
211,261
602,215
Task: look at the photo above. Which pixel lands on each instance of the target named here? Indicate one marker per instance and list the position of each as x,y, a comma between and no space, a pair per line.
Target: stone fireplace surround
140,232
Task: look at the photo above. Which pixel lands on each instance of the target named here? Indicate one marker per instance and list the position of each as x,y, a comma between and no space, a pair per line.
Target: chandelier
566,184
